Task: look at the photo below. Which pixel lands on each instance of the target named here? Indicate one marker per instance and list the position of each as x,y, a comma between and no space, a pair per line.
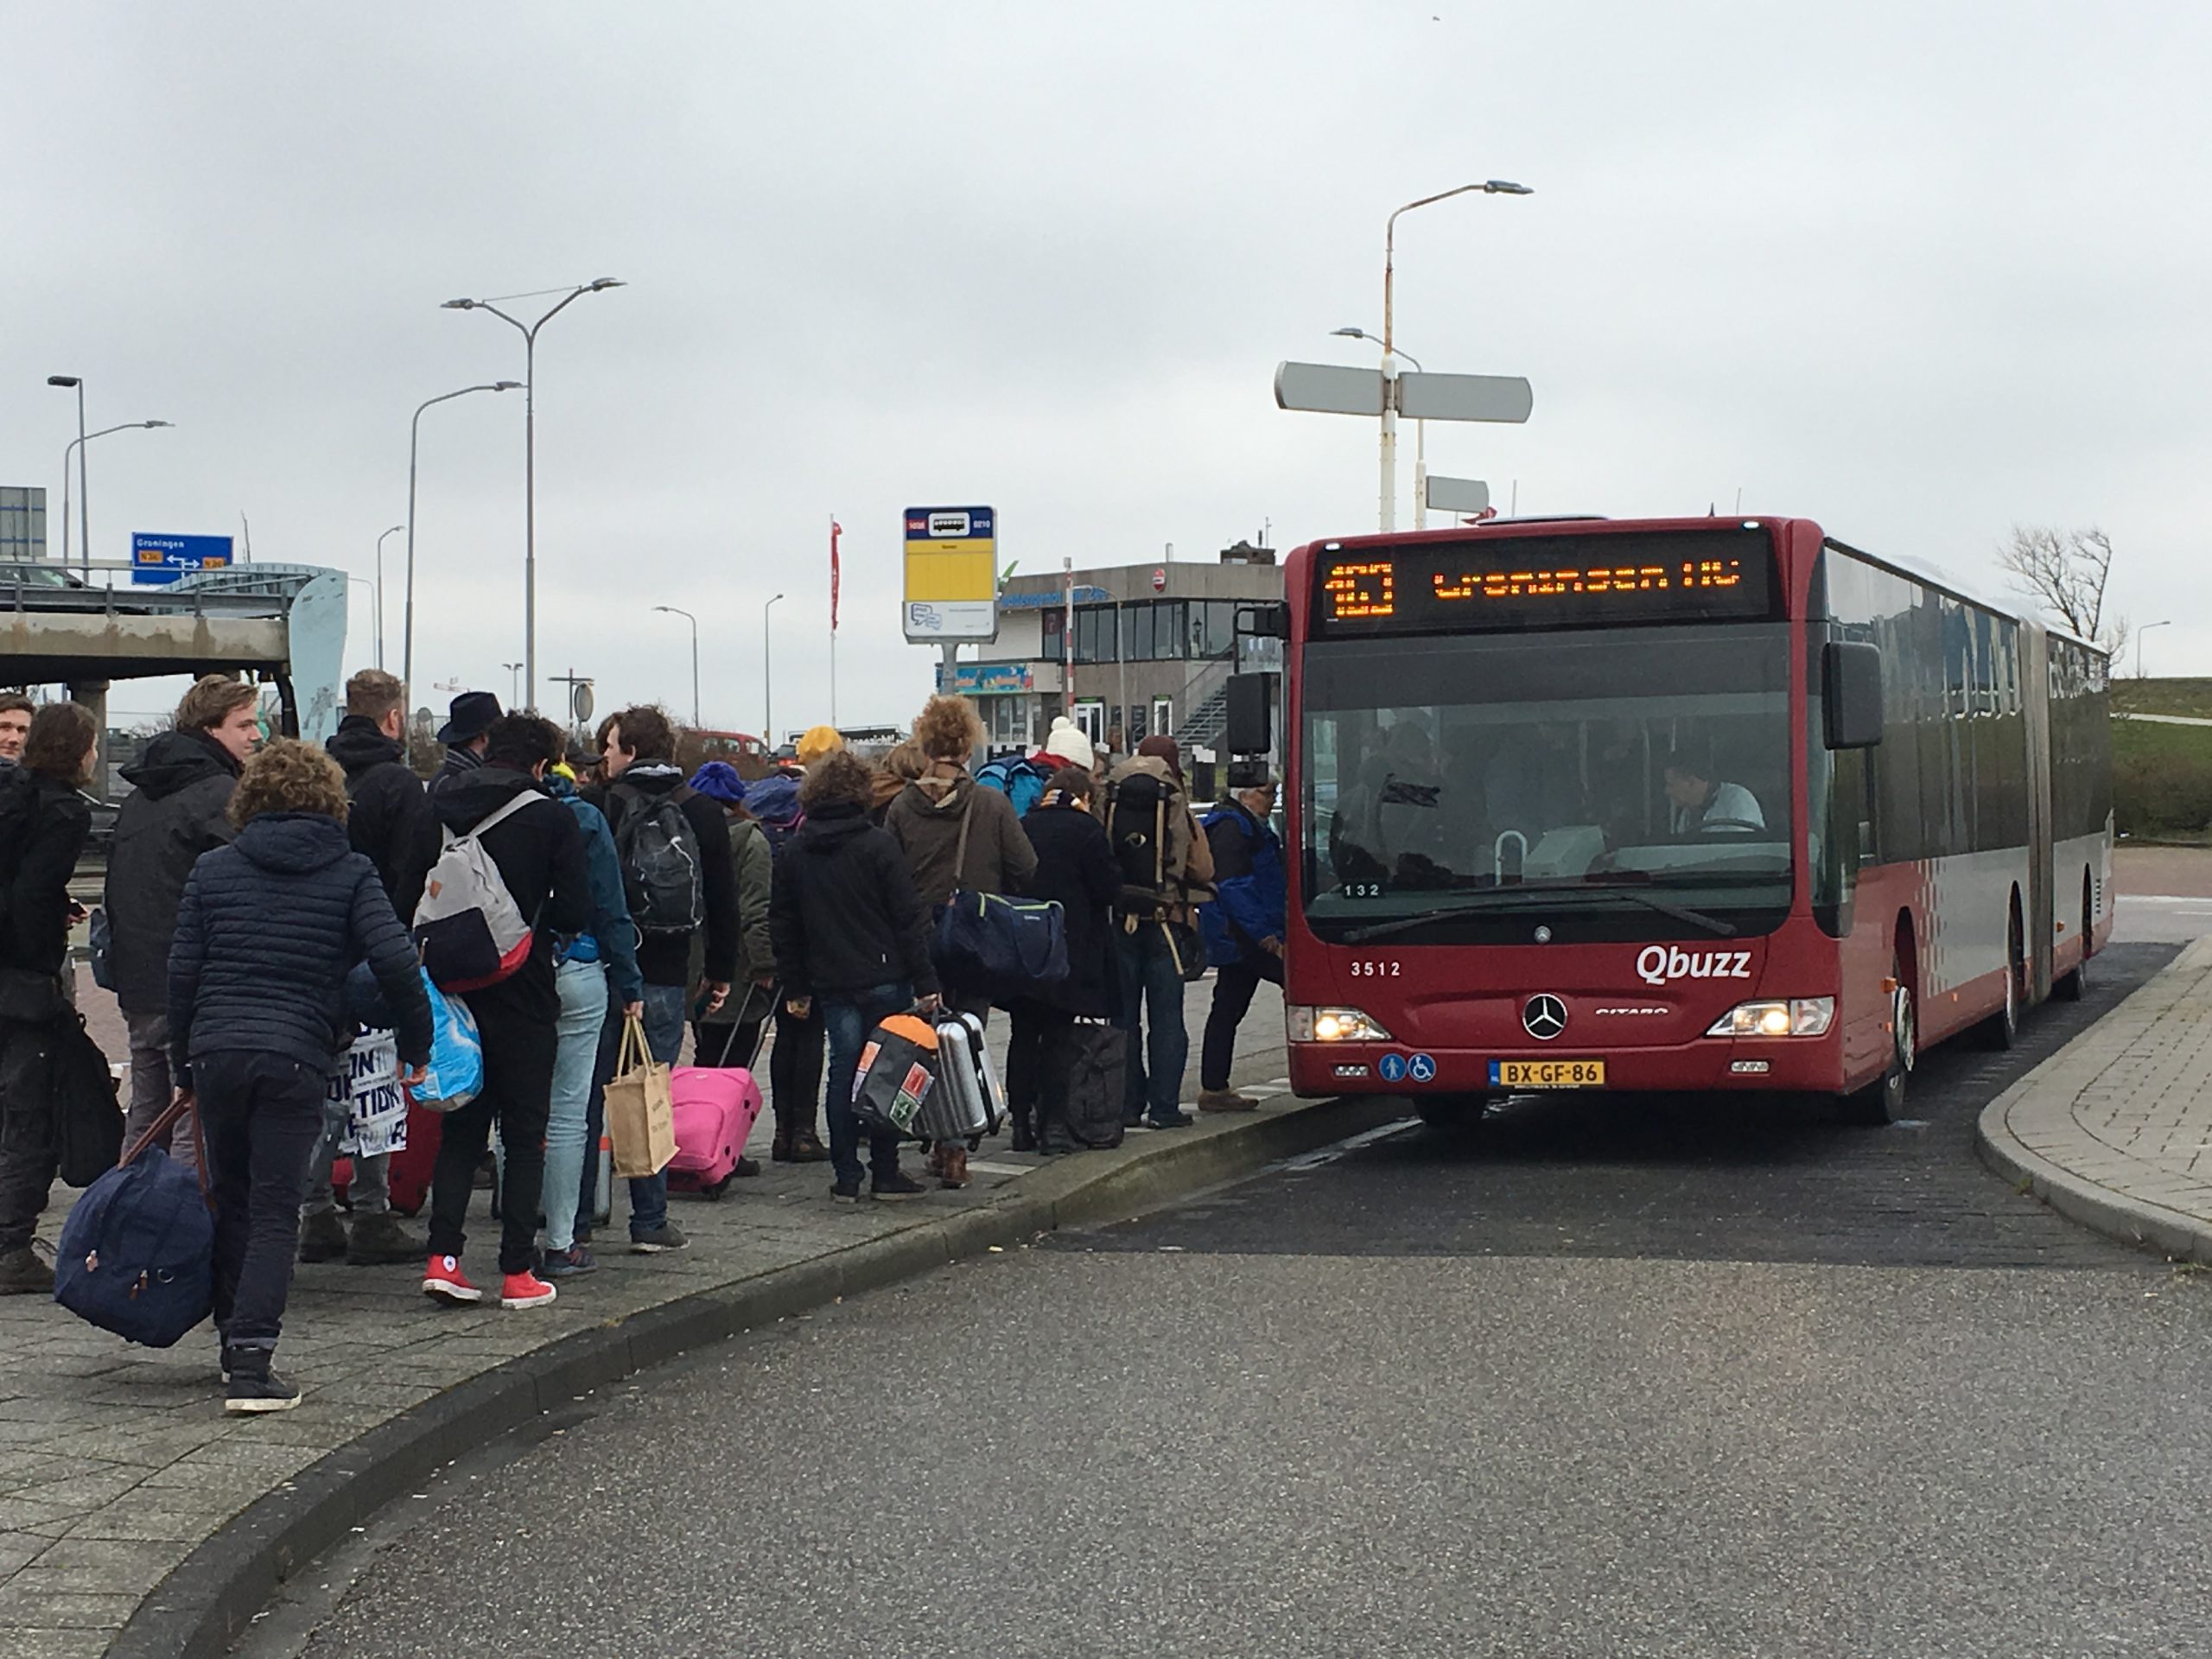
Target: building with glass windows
1153,648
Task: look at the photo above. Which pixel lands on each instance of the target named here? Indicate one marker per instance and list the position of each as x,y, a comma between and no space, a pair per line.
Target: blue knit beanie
718,780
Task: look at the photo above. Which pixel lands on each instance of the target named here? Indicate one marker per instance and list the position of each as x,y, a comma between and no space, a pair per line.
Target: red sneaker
525,1290
443,1277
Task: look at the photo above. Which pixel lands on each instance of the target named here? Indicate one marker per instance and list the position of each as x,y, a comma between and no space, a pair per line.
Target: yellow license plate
1547,1074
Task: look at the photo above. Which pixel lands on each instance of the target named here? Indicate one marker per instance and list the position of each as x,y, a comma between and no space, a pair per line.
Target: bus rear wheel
1884,1100
1451,1114
2002,1029
2075,983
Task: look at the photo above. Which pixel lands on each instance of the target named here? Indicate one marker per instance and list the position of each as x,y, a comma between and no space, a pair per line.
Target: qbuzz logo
1543,1017
1656,964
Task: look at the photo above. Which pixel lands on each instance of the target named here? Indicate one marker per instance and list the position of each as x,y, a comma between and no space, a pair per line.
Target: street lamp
74,383
414,445
78,443
677,611
1420,431
394,531
767,679
529,331
512,669
2139,633
1390,492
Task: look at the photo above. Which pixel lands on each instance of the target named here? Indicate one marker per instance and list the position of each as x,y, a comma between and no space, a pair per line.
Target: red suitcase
411,1168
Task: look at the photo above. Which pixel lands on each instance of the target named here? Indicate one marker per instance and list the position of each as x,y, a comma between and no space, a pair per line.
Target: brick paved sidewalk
116,1462
2115,1129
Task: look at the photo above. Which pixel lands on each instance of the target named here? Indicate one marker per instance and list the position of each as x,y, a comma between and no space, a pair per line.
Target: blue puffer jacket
1252,889
614,936
265,933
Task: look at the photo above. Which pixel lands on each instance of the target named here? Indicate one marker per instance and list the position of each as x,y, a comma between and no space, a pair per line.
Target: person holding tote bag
266,931
1074,866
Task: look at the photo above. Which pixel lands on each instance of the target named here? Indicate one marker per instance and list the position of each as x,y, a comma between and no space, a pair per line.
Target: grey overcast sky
1918,270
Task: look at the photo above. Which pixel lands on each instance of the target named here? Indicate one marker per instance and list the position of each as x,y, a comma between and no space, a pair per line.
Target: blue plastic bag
456,1070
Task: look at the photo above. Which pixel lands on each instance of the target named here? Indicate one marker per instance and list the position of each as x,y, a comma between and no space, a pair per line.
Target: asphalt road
1595,1382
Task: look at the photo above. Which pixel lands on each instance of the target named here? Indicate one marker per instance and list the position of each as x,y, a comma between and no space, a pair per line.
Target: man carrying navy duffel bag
265,934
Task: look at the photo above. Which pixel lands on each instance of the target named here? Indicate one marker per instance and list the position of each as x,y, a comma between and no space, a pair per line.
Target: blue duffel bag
138,1254
1008,947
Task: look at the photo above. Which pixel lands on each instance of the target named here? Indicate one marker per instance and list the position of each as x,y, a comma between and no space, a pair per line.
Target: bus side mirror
1851,695
1251,714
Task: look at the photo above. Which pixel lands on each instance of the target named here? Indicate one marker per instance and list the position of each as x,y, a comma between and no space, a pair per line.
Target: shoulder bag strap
960,852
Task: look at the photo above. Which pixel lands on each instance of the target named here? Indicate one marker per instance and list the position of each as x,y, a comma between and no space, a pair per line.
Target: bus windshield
1600,782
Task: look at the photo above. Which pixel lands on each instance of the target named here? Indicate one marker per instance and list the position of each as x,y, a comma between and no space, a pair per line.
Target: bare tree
2064,571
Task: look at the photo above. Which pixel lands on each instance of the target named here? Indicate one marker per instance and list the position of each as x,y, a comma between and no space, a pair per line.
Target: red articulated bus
1675,804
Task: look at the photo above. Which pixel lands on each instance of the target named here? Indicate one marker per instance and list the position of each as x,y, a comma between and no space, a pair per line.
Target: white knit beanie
1067,740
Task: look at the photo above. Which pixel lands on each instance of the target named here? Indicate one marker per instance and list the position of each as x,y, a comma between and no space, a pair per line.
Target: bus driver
1702,806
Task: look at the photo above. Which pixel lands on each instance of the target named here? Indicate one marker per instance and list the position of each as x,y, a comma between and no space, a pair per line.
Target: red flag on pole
835,530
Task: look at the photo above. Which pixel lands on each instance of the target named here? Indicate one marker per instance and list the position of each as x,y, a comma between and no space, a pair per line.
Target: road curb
2117,1216
210,1598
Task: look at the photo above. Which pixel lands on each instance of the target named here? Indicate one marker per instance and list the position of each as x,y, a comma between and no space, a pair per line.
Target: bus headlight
1332,1026
1804,1016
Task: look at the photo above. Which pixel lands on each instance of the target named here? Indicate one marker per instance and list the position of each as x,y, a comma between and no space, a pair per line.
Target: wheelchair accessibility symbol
1402,1068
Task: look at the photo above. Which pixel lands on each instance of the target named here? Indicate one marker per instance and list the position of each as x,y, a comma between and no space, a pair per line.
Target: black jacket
267,930
665,959
540,853
1076,865
390,820
844,916
181,786
44,825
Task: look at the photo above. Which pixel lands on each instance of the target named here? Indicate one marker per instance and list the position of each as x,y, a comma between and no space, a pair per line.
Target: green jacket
754,864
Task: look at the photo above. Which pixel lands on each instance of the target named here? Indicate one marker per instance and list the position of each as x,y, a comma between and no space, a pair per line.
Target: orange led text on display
1356,590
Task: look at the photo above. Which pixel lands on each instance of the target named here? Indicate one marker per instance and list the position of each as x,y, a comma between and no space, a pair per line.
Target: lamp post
394,531
529,331
76,384
512,669
414,447
1420,432
767,679
78,443
1389,491
2139,633
674,610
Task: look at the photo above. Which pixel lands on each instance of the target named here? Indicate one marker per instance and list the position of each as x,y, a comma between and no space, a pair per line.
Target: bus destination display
1545,582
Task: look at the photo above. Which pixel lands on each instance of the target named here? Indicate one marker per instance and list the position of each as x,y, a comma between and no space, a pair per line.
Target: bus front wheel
1884,1100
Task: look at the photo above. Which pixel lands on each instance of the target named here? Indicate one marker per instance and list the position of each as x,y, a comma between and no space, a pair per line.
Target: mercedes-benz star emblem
1543,1017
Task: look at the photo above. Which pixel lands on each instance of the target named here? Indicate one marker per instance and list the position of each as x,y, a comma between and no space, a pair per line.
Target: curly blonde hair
288,776
949,728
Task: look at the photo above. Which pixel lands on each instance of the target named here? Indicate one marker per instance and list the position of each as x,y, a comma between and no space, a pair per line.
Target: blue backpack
138,1254
1017,777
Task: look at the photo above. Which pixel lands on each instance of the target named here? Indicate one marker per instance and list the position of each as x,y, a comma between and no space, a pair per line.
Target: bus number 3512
1368,969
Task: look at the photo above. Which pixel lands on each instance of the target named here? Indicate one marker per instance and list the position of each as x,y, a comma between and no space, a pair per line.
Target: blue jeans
665,1037
582,986
850,1017
1149,977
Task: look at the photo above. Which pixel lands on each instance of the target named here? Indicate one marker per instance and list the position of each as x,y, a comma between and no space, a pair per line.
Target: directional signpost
1443,494
158,559
952,574
1333,389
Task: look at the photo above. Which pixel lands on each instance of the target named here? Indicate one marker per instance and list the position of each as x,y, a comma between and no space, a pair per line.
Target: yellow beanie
816,741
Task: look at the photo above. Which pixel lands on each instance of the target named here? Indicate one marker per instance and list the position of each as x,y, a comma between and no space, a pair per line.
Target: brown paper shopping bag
639,1115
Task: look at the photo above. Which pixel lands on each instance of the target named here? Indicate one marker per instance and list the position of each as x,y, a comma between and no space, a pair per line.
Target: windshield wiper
1682,914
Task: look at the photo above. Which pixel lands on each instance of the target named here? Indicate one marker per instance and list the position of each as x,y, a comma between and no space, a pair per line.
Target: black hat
469,717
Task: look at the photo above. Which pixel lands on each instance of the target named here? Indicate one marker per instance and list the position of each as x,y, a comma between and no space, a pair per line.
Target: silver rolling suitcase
967,1101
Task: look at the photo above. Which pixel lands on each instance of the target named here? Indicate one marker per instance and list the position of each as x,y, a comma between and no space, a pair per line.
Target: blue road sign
156,559
1391,1068
1421,1068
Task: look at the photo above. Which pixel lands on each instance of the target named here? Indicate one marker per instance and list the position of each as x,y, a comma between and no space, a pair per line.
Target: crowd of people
258,902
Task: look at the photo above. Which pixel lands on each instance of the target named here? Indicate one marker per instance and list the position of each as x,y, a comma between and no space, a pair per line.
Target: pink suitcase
714,1108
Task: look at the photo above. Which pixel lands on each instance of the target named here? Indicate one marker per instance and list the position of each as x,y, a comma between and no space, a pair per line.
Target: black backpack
662,876
1139,811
